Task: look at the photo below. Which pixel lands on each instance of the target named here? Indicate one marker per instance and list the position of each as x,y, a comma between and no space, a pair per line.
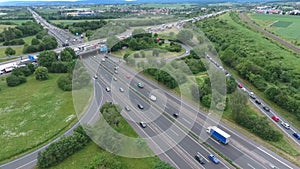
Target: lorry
218,134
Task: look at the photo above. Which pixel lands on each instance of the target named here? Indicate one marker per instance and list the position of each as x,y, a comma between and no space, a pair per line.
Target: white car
121,89
152,97
107,89
285,125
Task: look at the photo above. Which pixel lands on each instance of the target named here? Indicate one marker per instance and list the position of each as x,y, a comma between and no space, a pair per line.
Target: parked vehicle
175,115
218,134
140,85
152,97
140,106
107,89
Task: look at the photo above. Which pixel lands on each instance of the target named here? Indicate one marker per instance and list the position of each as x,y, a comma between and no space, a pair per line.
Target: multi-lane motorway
242,152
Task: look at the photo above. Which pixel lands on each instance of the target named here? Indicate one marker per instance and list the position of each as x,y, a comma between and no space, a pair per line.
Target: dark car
297,136
143,124
175,115
200,159
257,101
266,108
140,106
140,85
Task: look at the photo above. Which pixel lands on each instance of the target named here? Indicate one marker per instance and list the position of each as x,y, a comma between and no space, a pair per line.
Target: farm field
25,122
286,26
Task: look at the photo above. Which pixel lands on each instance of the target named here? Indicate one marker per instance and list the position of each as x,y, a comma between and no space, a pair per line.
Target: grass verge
32,114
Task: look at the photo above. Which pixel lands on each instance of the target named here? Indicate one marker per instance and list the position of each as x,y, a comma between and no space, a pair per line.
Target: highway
254,99
61,35
258,157
181,154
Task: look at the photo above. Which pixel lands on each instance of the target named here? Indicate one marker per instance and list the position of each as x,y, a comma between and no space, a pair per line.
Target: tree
13,80
9,51
184,36
138,32
65,82
231,85
66,56
155,52
163,165
41,73
111,41
237,102
35,41
71,51
46,58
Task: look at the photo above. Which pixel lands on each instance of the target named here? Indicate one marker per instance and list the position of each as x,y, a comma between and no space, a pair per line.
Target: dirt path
245,18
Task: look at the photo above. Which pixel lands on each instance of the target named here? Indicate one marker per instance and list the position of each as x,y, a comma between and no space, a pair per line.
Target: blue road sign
103,48
30,57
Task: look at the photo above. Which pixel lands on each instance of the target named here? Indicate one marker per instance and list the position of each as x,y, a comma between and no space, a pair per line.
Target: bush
41,73
65,83
62,149
13,80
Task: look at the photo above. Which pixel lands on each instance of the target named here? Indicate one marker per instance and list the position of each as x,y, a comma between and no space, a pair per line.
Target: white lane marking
214,140
250,165
186,120
274,157
27,164
174,132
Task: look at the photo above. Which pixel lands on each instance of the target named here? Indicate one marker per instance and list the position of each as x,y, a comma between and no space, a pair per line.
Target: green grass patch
28,39
32,113
286,26
80,159
282,24
18,49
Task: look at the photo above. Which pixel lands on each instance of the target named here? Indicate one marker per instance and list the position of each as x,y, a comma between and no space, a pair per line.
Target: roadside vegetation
92,156
278,80
28,113
29,36
234,112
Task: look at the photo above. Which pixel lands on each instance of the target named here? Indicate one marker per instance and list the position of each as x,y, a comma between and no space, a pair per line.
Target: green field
286,26
32,114
18,49
85,156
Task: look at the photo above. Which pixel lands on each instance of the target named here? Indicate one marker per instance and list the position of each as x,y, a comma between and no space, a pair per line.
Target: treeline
248,119
141,40
81,27
25,29
257,60
65,62
18,75
63,148
42,41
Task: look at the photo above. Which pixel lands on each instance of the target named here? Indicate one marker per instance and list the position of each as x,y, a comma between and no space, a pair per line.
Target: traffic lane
213,142
162,122
190,146
269,114
279,162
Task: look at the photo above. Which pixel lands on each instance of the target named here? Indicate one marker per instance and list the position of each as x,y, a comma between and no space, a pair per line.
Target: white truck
218,134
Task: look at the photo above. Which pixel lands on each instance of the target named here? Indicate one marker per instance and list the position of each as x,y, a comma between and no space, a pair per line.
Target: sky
38,0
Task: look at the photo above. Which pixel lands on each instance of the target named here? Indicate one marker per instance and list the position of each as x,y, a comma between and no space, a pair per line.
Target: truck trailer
218,134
